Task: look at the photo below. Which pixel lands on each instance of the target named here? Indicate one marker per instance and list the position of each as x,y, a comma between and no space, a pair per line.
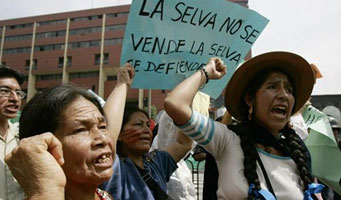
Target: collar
262,136
12,132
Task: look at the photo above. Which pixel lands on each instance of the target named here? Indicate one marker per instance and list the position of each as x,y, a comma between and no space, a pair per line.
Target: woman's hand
125,74
36,164
215,68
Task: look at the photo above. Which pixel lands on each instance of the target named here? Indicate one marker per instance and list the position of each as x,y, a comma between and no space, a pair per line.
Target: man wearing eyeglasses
10,101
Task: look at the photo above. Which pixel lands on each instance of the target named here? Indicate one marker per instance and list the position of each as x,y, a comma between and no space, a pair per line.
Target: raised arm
114,106
180,147
178,103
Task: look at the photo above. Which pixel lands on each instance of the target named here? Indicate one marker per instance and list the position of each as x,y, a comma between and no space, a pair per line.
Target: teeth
280,107
103,158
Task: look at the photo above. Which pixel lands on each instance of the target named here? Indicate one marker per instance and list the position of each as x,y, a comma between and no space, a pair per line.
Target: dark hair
129,110
297,152
44,111
7,72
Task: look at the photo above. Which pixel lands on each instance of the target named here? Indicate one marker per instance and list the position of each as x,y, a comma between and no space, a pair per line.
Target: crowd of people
72,147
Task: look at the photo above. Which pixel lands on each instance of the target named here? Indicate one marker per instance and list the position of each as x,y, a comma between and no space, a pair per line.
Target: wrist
204,78
58,193
205,73
123,84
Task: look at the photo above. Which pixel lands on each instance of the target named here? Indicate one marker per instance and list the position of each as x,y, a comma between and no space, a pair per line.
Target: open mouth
280,110
104,159
12,108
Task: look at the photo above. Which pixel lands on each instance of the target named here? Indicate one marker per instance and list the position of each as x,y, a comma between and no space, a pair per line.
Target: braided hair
247,139
298,155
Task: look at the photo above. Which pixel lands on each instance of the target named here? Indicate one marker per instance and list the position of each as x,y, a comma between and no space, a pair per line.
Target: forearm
180,147
178,103
114,109
184,141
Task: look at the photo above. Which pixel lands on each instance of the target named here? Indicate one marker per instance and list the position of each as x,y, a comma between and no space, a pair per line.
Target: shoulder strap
268,183
158,192
235,129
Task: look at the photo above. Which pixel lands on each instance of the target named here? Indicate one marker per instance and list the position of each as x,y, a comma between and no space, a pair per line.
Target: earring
250,113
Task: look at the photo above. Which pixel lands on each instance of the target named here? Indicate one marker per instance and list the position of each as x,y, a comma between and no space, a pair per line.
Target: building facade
81,47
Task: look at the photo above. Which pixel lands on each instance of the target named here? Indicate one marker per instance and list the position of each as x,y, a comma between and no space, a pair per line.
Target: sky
310,28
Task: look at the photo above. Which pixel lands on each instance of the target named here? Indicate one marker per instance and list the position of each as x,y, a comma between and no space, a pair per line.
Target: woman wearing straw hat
262,157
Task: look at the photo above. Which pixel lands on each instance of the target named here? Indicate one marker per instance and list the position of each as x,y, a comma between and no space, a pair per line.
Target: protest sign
168,40
325,154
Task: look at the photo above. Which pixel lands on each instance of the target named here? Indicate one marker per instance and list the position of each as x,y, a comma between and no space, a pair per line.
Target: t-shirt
225,147
127,183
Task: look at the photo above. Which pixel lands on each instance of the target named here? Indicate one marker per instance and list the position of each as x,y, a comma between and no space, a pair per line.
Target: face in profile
136,135
9,105
274,102
87,147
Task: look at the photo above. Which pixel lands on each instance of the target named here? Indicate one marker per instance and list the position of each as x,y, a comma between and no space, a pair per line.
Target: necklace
102,195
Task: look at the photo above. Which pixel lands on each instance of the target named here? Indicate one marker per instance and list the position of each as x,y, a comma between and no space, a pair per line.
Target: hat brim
316,71
292,64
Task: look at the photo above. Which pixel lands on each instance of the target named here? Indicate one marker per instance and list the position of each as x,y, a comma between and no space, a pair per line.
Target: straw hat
294,65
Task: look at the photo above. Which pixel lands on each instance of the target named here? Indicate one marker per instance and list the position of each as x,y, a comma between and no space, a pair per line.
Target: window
95,43
84,75
17,50
77,19
115,27
51,34
49,47
53,22
121,14
18,37
112,15
61,61
84,44
108,42
97,59
21,26
105,58
75,45
49,77
112,78
27,64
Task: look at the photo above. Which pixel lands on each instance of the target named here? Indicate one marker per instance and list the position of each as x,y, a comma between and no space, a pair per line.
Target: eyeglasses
6,92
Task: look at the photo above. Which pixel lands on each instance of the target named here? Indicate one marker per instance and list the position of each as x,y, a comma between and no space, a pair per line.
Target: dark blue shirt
127,183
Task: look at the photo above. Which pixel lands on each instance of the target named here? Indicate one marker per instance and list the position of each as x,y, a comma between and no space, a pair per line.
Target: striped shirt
224,145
